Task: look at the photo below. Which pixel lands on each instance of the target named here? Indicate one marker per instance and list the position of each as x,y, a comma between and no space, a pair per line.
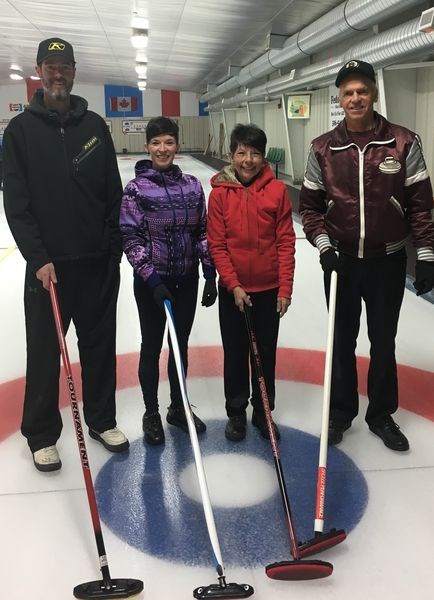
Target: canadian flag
123,103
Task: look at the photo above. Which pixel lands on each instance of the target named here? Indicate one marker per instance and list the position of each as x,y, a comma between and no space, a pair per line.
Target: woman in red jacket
252,242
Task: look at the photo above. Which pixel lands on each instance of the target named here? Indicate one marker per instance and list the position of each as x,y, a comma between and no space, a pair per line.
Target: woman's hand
282,305
241,298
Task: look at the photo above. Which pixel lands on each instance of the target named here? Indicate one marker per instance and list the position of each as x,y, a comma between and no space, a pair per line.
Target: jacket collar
77,110
382,133
227,178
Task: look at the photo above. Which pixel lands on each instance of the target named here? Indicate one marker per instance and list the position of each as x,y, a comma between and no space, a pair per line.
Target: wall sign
136,126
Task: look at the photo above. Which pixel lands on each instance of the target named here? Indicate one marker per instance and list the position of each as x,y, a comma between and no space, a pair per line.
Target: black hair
161,126
249,135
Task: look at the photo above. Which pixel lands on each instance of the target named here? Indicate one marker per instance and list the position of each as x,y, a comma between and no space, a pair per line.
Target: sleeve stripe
421,176
310,185
322,241
425,253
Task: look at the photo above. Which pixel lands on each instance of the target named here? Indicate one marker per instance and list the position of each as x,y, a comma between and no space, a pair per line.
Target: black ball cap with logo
55,47
353,67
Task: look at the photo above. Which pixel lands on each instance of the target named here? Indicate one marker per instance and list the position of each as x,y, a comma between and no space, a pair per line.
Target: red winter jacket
250,234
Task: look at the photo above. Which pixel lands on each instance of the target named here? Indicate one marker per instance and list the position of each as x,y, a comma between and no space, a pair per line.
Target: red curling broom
106,588
324,540
296,569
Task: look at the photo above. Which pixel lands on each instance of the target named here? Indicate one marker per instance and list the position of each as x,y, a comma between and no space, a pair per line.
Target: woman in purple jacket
163,226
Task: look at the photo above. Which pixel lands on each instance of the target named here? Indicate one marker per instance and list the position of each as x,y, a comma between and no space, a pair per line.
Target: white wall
189,104
93,94
151,103
11,94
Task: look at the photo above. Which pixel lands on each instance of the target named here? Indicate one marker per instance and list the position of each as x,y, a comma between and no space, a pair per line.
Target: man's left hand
424,281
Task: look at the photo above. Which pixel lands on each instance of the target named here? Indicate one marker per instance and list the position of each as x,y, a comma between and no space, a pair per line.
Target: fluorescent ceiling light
141,57
35,78
141,68
15,67
16,76
139,38
139,22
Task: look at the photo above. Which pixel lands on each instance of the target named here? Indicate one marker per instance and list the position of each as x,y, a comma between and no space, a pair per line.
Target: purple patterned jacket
163,225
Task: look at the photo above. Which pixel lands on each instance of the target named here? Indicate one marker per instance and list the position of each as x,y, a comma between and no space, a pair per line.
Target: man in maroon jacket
366,188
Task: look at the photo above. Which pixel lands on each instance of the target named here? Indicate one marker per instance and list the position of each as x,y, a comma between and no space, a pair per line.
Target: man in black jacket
62,194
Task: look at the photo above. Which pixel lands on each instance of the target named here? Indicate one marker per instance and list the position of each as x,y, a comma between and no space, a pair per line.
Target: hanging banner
123,101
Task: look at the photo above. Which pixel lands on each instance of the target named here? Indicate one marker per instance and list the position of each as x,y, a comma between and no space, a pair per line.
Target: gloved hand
209,295
329,261
424,281
161,293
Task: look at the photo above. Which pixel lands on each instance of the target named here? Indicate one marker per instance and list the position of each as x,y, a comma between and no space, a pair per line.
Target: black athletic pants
380,283
87,293
236,349
152,325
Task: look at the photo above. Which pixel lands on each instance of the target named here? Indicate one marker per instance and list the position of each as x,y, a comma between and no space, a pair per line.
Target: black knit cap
55,47
355,67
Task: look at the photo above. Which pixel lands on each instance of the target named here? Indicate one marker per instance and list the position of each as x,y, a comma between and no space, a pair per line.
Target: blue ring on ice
140,499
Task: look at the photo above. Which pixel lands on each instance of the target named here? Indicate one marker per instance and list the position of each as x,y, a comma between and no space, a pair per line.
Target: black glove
209,295
329,261
424,280
161,293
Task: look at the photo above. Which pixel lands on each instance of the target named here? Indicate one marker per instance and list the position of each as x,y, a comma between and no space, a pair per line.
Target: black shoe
389,432
259,421
176,416
235,429
153,429
336,431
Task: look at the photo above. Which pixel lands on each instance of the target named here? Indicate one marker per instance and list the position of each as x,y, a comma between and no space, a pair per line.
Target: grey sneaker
112,439
47,459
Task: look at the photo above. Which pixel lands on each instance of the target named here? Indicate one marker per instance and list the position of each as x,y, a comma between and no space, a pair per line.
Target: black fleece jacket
62,188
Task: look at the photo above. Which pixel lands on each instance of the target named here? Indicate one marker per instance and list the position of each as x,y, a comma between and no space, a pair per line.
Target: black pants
237,349
380,283
152,324
87,293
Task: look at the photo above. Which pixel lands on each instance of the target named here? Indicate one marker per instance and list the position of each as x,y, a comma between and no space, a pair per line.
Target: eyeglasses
63,69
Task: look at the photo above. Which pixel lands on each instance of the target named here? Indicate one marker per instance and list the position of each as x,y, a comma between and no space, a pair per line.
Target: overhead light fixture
139,38
141,56
16,76
139,22
141,85
35,78
141,68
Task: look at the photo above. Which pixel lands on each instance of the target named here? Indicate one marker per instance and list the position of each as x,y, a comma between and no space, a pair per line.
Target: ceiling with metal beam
192,43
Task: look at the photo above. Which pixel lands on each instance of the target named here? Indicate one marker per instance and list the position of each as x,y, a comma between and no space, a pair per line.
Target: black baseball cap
353,67
55,47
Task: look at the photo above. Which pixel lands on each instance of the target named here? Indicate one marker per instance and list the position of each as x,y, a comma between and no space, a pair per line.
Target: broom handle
322,463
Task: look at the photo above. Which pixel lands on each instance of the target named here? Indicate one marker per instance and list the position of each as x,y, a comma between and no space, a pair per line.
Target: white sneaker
112,439
47,459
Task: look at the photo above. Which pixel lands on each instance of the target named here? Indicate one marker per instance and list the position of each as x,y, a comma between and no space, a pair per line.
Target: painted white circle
233,481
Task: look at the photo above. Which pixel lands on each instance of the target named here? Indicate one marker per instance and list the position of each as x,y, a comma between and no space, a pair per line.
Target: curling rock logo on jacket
389,166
